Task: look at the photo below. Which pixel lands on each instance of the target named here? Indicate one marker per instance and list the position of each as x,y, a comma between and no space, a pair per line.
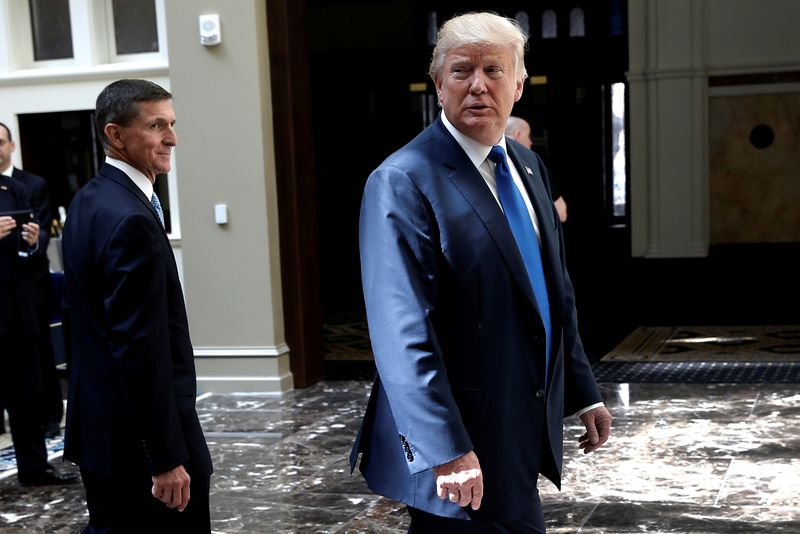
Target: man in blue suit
131,420
471,311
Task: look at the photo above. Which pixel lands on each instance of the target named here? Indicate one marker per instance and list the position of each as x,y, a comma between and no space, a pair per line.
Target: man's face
147,142
6,149
477,88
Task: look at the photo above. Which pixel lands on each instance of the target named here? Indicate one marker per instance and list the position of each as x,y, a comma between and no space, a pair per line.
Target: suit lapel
532,177
119,177
467,179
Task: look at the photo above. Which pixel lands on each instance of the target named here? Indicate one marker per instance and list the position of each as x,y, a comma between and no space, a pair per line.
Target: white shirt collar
476,152
136,176
8,170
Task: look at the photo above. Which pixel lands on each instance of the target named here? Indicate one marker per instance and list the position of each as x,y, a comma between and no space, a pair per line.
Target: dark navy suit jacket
17,288
36,187
458,340
132,383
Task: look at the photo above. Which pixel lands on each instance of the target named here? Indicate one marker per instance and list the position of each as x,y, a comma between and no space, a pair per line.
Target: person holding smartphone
37,191
21,379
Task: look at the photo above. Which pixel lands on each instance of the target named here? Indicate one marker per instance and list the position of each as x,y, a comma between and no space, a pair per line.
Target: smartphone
21,216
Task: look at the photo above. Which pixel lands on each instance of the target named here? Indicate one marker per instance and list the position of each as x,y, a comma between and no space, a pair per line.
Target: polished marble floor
688,459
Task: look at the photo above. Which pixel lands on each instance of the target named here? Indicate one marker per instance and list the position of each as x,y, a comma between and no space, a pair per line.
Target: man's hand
172,488
461,481
7,224
598,426
30,233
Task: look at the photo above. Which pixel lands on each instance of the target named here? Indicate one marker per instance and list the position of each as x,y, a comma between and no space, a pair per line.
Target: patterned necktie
527,242
157,206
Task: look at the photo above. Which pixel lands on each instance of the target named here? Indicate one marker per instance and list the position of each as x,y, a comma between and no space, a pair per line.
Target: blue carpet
8,460
699,372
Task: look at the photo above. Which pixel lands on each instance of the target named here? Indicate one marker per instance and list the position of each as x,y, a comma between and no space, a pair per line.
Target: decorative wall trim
666,74
242,352
775,70
50,76
275,385
757,89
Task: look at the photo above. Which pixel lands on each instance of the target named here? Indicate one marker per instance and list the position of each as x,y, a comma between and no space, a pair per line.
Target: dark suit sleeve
399,255
139,340
580,387
40,202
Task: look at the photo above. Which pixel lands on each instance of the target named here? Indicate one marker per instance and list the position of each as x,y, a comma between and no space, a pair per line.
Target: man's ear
518,93
437,83
114,134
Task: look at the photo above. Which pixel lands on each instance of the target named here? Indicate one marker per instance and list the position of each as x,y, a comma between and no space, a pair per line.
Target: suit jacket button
540,394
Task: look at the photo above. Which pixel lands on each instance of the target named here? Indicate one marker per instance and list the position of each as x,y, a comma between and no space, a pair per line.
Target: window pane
549,27
616,18
52,34
576,24
135,26
619,163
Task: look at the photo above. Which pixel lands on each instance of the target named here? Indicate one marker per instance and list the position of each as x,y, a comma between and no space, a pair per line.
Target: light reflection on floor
686,459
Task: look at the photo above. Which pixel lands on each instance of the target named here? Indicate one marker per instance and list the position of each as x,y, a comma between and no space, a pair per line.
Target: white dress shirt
479,156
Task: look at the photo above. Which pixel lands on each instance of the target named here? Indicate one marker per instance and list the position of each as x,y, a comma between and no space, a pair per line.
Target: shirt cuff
588,408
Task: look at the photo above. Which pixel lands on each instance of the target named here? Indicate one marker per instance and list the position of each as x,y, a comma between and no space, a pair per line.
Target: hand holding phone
30,233
7,225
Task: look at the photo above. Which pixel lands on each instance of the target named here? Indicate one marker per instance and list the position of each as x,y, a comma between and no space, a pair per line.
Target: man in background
132,426
519,130
20,368
36,188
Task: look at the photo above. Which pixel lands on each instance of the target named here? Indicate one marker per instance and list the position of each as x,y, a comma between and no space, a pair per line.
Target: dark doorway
62,148
371,94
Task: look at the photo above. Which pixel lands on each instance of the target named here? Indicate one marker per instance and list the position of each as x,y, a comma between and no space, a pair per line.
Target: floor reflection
682,459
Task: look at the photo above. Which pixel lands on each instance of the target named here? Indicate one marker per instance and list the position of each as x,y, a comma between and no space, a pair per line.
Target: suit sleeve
580,387
137,323
40,202
399,255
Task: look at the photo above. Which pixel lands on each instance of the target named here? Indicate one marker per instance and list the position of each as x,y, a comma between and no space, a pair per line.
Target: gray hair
483,28
514,125
117,103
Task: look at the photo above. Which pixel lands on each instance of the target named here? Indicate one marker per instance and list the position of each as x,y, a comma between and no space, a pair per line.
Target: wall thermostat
210,32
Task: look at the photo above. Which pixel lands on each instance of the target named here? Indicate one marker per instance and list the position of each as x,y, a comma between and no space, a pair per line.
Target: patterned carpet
698,372
682,354
8,461
346,338
709,344
708,354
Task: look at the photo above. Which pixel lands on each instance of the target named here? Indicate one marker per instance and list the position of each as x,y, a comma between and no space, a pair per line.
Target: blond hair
483,28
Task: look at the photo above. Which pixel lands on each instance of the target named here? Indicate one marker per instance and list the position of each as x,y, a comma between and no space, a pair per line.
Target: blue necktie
157,206
527,242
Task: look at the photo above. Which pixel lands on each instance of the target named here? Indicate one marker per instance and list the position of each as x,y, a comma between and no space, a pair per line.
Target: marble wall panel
754,193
